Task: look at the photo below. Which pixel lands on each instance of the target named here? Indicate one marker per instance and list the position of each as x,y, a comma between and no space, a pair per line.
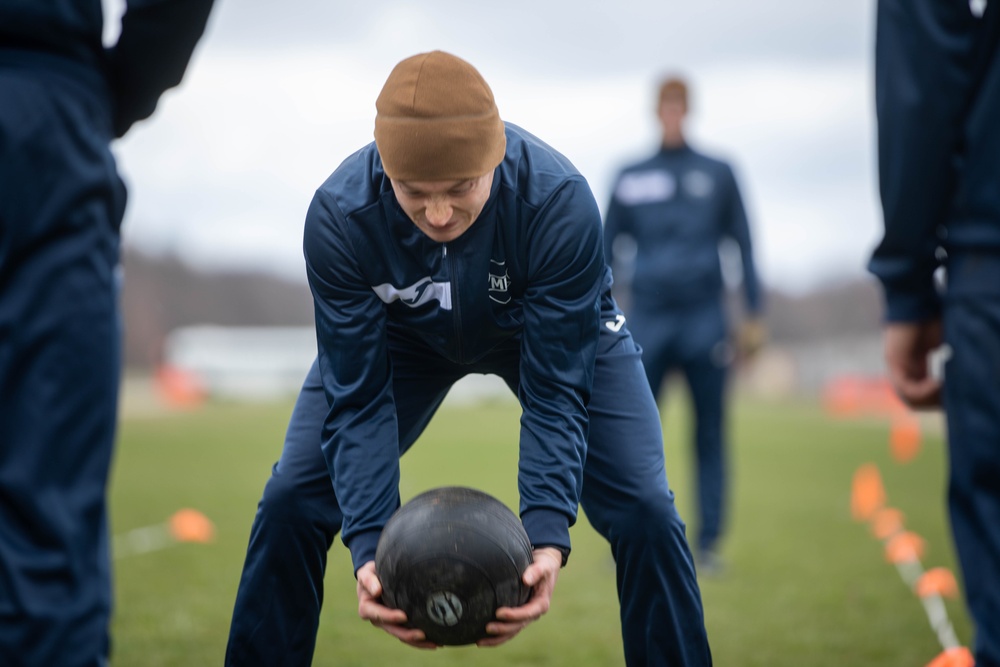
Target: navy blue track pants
692,339
61,204
625,496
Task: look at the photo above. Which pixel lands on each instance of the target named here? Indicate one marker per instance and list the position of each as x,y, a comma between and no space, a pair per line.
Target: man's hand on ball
391,620
541,576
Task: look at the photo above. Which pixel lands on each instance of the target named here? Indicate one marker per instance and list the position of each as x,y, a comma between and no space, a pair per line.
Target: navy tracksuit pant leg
627,499
625,495
972,405
61,203
706,378
692,338
278,603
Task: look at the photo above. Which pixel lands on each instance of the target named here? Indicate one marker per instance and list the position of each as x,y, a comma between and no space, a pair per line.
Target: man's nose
438,212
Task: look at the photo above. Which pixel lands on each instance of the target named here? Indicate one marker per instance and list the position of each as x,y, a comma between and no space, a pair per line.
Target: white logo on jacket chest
499,282
423,291
646,187
698,183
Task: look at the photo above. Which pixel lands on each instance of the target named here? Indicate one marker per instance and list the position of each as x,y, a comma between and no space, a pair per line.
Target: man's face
443,210
672,111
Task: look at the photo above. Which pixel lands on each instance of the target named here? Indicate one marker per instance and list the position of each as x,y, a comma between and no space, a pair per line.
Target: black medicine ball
449,558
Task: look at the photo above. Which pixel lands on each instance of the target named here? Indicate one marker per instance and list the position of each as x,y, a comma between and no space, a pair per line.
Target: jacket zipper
456,307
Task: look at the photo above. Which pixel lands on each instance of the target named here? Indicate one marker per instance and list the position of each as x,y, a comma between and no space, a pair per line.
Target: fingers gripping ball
449,558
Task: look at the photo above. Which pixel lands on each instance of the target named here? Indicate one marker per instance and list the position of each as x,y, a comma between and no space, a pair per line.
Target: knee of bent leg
291,500
647,518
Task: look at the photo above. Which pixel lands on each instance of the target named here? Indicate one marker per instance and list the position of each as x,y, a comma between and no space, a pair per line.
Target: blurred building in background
241,363
248,335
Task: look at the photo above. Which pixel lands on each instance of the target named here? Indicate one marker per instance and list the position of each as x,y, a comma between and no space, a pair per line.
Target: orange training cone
180,388
904,438
867,492
939,581
188,525
954,657
841,397
904,547
887,522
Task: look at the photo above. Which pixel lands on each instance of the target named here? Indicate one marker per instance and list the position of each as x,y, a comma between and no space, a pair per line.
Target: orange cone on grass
904,547
867,492
954,657
188,525
185,525
939,581
886,522
904,438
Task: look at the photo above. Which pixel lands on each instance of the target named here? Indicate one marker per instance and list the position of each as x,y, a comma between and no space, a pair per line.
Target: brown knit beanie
437,121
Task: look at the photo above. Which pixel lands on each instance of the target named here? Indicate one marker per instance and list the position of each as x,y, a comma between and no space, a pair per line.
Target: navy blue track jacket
679,205
156,42
938,66
528,273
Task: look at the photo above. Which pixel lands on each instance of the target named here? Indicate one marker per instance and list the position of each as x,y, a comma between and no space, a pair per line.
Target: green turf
805,585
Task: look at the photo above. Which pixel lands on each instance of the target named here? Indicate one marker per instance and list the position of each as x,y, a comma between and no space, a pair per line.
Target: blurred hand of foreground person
907,347
750,338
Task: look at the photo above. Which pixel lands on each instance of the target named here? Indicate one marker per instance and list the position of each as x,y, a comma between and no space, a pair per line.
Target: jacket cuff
362,546
547,528
911,306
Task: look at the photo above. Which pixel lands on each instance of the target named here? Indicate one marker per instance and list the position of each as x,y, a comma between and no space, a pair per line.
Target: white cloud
225,170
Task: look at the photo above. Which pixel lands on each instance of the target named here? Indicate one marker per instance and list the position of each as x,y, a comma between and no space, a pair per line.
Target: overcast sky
279,93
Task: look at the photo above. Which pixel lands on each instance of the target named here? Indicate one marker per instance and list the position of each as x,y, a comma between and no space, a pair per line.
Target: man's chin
444,236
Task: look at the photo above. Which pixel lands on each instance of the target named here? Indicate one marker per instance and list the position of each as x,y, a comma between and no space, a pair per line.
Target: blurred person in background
937,76
677,208
64,97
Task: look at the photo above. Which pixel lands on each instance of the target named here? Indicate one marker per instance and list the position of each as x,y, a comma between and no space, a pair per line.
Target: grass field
805,584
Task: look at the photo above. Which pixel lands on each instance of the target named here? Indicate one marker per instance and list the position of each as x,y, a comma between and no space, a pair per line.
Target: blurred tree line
163,293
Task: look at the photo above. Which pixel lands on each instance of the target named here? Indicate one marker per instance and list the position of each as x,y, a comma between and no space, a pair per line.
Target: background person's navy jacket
527,276
679,205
